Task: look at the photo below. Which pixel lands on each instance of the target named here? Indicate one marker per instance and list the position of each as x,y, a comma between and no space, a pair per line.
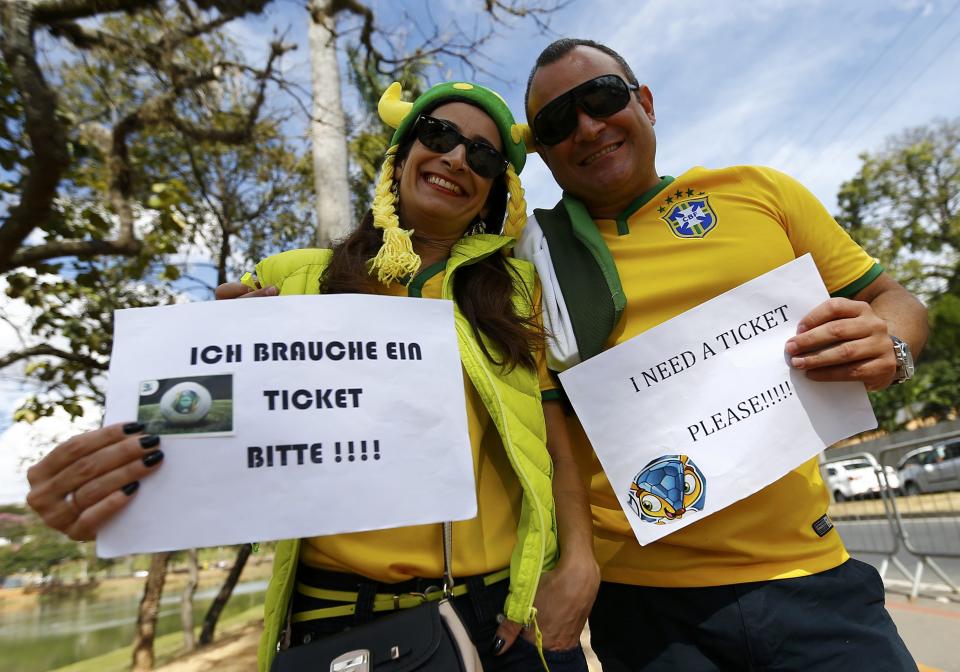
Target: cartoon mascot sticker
666,489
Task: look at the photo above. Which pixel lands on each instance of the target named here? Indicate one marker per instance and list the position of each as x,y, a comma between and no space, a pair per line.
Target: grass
219,419
165,648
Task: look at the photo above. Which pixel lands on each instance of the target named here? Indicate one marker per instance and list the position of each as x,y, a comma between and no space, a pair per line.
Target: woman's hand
85,481
238,290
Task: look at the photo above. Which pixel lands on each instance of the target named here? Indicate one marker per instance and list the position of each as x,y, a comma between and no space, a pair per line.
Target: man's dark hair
560,48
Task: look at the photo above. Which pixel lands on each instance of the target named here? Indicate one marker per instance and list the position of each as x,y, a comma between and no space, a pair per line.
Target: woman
433,232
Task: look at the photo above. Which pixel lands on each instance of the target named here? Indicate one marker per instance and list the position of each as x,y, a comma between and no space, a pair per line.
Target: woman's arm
566,593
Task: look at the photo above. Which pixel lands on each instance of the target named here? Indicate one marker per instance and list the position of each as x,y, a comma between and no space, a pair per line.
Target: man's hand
564,599
563,602
843,339
238,290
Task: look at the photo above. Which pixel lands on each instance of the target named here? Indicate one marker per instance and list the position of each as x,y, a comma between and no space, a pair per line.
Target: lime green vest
513,401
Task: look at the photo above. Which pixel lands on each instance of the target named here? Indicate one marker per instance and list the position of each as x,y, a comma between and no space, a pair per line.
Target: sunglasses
599,97
441,137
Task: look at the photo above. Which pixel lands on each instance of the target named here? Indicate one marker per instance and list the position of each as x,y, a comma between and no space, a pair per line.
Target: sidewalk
930,629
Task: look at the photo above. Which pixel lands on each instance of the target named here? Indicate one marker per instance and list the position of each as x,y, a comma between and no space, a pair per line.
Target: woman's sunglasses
600,97
441,137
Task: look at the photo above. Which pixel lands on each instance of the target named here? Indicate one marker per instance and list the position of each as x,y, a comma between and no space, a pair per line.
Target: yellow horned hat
396,258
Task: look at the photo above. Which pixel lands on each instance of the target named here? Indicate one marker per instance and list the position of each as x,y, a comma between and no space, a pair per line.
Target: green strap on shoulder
585,271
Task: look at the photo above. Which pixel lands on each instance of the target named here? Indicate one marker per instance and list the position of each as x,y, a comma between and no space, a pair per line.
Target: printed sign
289,417
703,410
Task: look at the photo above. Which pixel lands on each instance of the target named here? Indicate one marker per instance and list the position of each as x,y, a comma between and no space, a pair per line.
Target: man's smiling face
605,162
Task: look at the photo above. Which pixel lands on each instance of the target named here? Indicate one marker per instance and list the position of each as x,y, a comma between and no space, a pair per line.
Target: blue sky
804,86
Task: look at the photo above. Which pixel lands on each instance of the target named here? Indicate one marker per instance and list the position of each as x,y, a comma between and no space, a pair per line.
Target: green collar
641,200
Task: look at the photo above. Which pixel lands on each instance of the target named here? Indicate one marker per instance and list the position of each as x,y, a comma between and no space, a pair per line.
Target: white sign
703,410
290,417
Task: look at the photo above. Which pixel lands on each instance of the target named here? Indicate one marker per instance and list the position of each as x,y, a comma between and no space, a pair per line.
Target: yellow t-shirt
481,545
697,237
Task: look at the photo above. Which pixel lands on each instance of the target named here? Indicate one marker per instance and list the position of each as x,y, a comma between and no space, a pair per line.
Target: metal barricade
864,508
902,503
928,512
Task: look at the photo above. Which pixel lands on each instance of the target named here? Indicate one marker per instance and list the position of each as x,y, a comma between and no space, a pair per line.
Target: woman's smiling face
439,193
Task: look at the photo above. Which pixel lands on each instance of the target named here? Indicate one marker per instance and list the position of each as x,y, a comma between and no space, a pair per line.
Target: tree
186,601
140,99
147,613
220,601
903,205
390,54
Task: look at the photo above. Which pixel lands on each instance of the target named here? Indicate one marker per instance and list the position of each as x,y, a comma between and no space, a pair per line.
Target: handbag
429,637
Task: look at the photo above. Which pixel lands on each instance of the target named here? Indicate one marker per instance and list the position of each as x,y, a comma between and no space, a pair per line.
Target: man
766,582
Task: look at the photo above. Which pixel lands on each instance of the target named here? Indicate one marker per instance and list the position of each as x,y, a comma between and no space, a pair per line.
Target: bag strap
448,559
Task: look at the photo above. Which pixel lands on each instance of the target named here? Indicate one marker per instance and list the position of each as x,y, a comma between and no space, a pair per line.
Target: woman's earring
478,226
395,190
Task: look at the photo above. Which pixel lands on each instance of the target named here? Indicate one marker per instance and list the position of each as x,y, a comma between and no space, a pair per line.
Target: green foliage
196,203
903,206
42,550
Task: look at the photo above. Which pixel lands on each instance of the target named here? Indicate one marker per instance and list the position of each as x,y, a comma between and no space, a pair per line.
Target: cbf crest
691,218
666,489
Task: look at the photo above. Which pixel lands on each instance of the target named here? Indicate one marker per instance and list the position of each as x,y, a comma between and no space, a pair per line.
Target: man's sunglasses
600,97
441,137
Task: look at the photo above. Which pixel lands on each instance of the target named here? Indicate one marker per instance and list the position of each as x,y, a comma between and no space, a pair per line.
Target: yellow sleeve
845,267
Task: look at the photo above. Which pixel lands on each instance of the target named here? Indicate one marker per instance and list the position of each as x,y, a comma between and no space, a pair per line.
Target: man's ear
645,98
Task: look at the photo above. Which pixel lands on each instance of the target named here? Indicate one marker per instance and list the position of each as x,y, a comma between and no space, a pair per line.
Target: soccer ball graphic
185,403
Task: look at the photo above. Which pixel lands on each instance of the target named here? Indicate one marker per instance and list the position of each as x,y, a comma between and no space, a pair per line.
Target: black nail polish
149,441
130,488
133,427
151,459
498,644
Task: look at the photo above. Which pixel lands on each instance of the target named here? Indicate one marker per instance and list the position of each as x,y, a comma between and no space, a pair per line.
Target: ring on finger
71,500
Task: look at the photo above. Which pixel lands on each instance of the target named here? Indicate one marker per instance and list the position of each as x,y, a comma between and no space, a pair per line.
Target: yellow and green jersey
680,244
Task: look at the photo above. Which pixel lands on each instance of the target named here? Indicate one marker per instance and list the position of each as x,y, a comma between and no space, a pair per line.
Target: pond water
60,631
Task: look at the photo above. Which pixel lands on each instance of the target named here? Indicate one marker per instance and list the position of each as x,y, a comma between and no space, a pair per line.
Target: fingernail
801,328
150,441
796,362
271,291
498,644
132,427
130,488
151,459
791,348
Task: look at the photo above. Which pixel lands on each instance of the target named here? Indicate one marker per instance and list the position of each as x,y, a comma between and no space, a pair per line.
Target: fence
903,504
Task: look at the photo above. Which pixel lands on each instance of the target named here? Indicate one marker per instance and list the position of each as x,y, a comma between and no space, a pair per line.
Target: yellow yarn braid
396,258
516,206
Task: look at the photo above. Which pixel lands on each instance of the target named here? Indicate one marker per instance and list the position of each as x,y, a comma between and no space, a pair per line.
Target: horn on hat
390,108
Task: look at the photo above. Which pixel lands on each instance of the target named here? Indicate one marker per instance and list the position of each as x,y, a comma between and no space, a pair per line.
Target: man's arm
849,339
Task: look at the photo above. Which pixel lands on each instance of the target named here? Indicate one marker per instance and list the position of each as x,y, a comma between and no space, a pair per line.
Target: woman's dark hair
483,290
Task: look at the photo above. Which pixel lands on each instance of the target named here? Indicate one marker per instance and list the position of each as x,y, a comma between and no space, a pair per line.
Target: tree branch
28,256
48,139
47,350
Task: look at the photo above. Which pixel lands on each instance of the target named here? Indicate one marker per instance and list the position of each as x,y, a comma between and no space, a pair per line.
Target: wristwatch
904,357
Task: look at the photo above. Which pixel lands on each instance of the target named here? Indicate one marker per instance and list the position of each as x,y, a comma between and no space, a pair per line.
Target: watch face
905,367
